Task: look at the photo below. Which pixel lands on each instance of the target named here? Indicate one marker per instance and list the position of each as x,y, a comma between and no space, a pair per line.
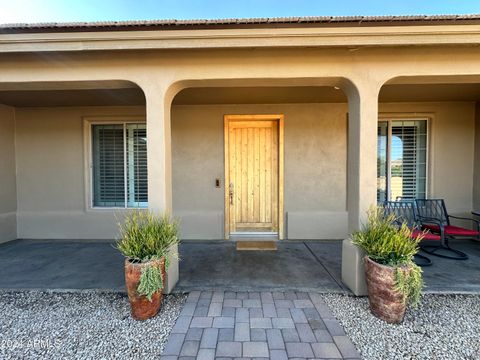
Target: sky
31,11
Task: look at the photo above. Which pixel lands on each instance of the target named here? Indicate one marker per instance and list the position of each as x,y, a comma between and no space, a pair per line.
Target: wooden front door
252,169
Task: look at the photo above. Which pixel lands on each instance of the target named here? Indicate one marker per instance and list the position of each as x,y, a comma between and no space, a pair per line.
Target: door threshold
256,245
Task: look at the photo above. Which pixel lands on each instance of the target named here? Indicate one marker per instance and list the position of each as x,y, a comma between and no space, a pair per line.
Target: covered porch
58,136
328,150
66,265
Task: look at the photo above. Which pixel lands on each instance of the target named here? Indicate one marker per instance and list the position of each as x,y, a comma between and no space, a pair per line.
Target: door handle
230,193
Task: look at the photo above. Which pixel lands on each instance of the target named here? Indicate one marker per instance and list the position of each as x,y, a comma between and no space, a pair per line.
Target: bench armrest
475,221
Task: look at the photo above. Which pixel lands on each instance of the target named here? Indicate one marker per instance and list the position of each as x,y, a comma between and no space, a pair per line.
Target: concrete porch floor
207,265
296,265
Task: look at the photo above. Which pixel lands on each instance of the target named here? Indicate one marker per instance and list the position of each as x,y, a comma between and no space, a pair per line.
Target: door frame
280,120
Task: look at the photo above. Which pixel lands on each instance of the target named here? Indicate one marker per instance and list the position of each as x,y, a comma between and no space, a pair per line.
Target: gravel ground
87,325
443,327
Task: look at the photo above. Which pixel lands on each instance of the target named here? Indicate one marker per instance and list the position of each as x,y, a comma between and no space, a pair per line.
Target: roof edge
172,24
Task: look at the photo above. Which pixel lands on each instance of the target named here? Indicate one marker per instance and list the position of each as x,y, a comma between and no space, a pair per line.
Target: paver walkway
257,325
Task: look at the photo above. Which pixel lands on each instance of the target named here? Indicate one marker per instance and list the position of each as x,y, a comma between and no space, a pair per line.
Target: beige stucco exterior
451,137
53,187
52,180
43,167
476,177
8,188
315,163
315,168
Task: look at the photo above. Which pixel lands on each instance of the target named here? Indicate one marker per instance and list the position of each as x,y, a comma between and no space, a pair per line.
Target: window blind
137,165
119,166
408,159
382,163
403,143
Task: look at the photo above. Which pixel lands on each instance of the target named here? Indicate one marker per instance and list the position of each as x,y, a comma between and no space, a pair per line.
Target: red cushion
434,228
452,230
426,235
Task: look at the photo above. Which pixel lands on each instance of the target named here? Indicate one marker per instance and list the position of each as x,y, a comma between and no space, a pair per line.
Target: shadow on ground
207,265
455,276
294,266
306,266
59,264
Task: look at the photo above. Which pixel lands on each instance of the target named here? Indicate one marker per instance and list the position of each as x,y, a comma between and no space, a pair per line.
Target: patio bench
404,212
433,216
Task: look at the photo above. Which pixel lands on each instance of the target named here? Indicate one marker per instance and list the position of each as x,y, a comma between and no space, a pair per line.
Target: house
289,127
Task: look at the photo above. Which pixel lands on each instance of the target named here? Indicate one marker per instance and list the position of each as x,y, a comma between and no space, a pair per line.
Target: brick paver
253,325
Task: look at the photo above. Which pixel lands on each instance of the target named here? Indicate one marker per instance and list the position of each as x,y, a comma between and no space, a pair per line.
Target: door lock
230,193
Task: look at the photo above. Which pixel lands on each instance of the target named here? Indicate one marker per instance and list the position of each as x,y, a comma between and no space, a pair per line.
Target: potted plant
145,241
393,279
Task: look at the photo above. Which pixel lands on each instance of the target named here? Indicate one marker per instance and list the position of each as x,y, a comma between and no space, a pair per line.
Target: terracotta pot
141,307
385,302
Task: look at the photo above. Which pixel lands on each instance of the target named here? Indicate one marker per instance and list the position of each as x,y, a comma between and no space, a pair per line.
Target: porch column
362,175
160,162
362,153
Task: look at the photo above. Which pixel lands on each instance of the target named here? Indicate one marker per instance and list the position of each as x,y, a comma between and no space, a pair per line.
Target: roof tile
246,22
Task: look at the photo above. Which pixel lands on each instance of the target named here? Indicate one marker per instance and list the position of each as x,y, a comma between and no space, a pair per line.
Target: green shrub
144,237
387,243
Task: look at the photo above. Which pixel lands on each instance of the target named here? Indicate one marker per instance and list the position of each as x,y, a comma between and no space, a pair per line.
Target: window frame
88,123
391,117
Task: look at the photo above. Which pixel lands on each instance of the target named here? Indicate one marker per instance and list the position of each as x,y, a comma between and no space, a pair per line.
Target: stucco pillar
362,153
362,175
160,163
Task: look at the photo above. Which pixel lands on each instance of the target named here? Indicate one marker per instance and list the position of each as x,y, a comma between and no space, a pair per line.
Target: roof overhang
242,33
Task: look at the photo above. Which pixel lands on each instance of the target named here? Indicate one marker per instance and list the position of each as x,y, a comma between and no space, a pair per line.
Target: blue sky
99,10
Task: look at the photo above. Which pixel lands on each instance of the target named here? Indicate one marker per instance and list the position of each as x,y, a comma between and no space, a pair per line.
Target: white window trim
429,118
88,156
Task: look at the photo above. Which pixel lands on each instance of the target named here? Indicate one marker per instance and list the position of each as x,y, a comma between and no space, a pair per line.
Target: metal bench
433,216
404,212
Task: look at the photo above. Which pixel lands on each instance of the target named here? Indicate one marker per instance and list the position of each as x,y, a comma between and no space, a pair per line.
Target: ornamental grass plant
390,243
145,237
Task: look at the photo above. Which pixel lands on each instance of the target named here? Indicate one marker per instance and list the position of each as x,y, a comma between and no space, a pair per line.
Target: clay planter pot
141,307
385,302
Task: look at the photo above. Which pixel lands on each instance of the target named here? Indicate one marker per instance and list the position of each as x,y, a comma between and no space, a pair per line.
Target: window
401,159
119,165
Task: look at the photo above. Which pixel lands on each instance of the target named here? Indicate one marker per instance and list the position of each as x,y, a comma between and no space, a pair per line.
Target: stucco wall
51,178
315,163
451,149
51,174
8,192
315,168
476,177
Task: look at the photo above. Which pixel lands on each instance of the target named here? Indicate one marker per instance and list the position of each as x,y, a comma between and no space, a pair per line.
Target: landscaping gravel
443,327
87,325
